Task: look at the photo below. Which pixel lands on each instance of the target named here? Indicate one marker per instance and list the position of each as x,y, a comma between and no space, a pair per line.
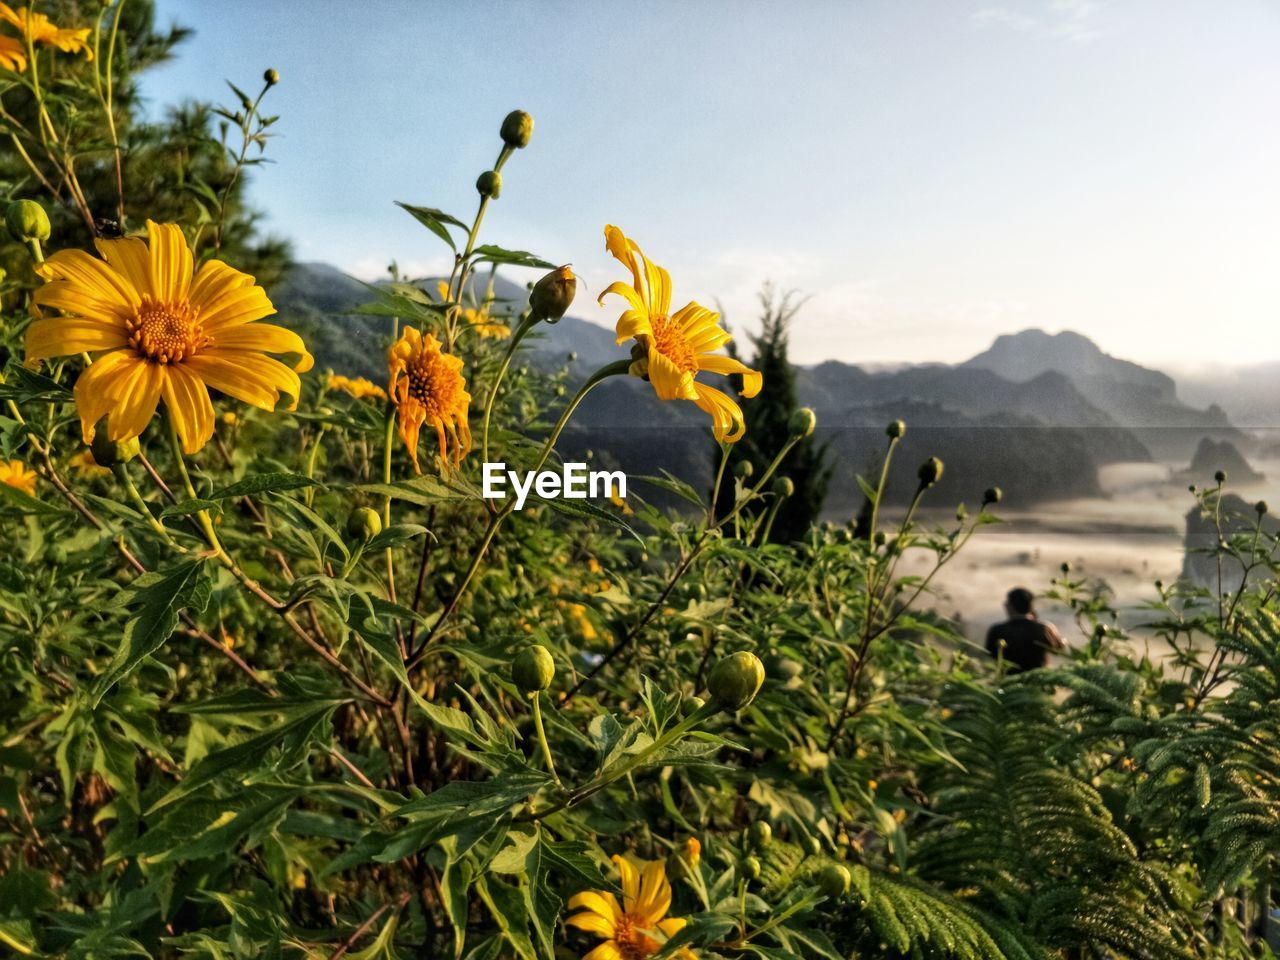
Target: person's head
1019,602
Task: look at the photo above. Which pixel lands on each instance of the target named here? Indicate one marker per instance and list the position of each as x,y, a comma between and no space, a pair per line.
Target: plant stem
535,701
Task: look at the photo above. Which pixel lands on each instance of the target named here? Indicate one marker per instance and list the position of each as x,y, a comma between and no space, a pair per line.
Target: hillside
1036,413
1143,400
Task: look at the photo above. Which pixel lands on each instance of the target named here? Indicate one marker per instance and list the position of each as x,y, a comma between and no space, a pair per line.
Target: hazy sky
931,173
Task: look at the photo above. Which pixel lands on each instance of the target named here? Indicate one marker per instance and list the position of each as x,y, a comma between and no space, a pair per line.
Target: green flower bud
272,77
1066,568
834,881
1220,476
27,220
735,680
803,422
553,294
812,846
880,539
751,868
930,472
744,469
784,487
517,129
1260,508
691,705
107,453
364,524
895,430
992,495
489,184
533,669
56,554
760,835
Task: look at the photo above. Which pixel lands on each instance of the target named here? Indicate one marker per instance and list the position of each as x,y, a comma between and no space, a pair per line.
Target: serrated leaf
488,253
160,601
437,221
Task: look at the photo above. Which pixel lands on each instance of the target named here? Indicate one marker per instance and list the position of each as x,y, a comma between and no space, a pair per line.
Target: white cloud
1073,21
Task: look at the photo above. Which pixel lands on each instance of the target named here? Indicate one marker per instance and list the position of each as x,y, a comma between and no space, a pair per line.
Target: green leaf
584,509
291,739
263,483
160,597
423,491
437,221
19,936
187,507
488,253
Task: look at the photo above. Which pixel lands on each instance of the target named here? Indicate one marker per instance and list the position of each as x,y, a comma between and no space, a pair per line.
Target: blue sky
930,173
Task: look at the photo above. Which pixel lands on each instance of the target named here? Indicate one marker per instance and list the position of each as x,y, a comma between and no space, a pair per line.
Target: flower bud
691,705
880,539
895,430
812,846
744,469
803,422
1066,568
517,129
760,835
533,669
751,868
992,495
784,487
553,294
107,453
27,220
834,881
1260,508
489,184
735,680
271,77
364,524
930,472
1220,476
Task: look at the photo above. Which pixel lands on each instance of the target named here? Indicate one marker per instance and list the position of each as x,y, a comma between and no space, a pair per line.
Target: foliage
259,699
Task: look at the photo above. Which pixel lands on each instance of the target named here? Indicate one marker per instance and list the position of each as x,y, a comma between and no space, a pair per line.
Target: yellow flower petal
170,262
58,336
629,879
598,901
188,403
265,338
726,416
606,951
95,388
751,379
592,923
655,894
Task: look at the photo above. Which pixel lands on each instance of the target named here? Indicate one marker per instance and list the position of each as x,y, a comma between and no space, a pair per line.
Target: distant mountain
1143,400
1250,395
1035,414
1200,564
1212,456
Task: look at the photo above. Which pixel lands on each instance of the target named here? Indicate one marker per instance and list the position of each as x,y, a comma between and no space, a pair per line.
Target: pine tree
768,425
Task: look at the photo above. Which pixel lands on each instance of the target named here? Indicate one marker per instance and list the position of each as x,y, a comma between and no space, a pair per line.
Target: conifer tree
768,419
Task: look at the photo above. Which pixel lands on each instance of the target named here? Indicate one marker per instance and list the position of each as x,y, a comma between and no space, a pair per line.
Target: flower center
165,332
434,385
632,944
671,343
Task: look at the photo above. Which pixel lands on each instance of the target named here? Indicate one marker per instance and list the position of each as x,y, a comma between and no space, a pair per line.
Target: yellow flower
621,504
84,464
627,928
40,29
693,851
358,387
15,474
478,320
160,329
427,386
13,55
675,348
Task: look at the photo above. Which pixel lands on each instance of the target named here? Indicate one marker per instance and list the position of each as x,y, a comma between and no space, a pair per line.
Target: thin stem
536,701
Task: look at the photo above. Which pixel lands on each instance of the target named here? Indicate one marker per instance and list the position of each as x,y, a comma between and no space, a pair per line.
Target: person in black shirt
1023,641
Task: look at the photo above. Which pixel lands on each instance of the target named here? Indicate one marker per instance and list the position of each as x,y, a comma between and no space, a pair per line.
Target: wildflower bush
279,680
